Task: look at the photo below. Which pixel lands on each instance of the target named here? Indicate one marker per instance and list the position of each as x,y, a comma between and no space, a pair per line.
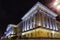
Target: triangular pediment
41,7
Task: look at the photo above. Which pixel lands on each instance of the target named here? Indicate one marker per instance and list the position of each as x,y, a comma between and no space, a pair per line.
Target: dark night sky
12,11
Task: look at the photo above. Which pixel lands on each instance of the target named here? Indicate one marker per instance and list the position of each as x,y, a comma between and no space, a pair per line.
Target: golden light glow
36,30
53,32
57,4
41,32
58,7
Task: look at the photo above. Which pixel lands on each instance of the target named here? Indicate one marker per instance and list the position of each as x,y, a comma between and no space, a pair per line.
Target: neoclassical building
11,31
40,22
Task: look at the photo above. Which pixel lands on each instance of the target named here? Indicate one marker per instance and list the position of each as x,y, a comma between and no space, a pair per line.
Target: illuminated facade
10,31
41,22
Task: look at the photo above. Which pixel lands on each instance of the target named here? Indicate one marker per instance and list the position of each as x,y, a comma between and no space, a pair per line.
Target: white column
50,21
43,20
53,21
56,26
31,23
47,22
25,26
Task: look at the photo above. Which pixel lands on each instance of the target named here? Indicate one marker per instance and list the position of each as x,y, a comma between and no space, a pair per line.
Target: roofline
10,25
38,4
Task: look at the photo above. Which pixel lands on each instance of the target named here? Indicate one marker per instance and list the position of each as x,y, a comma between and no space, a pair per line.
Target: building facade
11,31
40,22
